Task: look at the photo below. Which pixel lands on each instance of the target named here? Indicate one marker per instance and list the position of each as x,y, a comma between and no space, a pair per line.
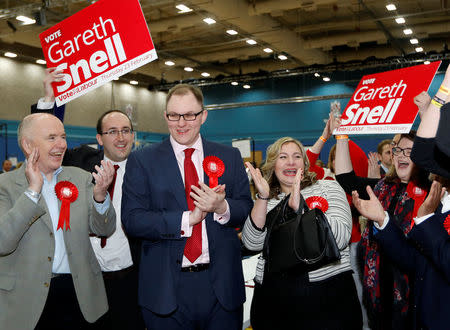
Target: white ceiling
308,32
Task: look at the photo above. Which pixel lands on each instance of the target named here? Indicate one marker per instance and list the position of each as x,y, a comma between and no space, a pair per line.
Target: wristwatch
32,193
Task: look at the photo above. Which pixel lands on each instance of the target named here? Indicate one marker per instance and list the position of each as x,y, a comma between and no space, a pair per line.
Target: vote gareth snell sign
383,103
99,43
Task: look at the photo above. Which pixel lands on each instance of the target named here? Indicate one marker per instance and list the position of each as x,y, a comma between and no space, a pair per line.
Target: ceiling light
251,42
169,63
25,20
316,75
391,7
9,54
232,32
407,31
419,49
282,57
414,41
205,74
426,62
41,61
209,20
326,79
234,83
133,82
400,20
246,86
183,9
188,69
268,50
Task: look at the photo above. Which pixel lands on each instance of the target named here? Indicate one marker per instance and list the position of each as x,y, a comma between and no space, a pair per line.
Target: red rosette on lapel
317,202
67,193
214,168
447,224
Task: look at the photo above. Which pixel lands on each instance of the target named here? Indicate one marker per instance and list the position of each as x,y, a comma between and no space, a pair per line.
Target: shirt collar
121,164
445,202
179,148
55,174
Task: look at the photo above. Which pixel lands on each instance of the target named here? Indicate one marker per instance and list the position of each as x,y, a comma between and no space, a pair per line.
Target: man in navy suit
178,290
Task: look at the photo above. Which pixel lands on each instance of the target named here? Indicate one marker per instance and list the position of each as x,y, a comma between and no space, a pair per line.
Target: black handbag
300,241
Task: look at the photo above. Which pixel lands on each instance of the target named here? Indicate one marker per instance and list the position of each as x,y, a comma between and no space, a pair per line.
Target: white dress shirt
60,261
197,158
116,255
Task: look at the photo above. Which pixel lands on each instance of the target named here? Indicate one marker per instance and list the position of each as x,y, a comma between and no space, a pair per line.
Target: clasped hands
207,200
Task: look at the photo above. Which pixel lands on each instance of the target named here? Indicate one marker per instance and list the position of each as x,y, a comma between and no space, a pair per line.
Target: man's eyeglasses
186,116
116,132
397,151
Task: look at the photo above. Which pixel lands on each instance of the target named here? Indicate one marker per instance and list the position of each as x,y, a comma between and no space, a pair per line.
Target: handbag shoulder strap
271,219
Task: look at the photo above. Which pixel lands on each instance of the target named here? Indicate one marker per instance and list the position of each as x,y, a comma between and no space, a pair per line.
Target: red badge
317,201
447,224
214,168
67,193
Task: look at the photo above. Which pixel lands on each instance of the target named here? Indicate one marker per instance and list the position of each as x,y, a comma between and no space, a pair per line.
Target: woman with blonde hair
324,298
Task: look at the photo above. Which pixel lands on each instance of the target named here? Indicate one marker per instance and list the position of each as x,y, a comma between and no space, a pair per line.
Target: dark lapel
168,164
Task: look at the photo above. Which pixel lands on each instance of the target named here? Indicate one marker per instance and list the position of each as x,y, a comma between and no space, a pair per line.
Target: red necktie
193,248
111,194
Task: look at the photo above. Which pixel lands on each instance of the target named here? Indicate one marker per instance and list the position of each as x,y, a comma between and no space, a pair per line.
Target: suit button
178,262
49,258
46,284
51,234
182,232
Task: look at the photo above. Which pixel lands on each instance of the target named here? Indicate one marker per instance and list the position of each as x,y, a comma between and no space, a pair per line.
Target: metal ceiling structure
310,33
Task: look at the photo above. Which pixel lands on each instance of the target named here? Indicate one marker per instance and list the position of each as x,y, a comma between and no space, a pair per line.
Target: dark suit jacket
153,201
431,287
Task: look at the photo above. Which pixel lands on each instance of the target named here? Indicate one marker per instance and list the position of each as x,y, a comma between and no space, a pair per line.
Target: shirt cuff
102,207
419,220
186,229
386,220
45,105
224,217
35,200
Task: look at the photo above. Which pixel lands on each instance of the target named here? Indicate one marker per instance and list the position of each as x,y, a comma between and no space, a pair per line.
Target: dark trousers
198,308
61,310
290,301
122,291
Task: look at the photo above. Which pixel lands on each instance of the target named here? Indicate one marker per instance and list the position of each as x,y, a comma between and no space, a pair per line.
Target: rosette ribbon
67,193
317,202
447,224
214,168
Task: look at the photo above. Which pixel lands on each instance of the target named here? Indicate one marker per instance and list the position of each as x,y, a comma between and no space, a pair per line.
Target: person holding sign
191,271
386,286
49,276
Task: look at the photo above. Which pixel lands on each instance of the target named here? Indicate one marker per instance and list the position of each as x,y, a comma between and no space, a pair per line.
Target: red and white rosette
317,202
67,193
214,168
447,224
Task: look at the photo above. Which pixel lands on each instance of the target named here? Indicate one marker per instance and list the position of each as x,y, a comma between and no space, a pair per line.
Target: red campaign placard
99,43
383,103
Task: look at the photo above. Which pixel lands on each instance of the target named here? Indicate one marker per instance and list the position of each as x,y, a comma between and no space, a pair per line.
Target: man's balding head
44,132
